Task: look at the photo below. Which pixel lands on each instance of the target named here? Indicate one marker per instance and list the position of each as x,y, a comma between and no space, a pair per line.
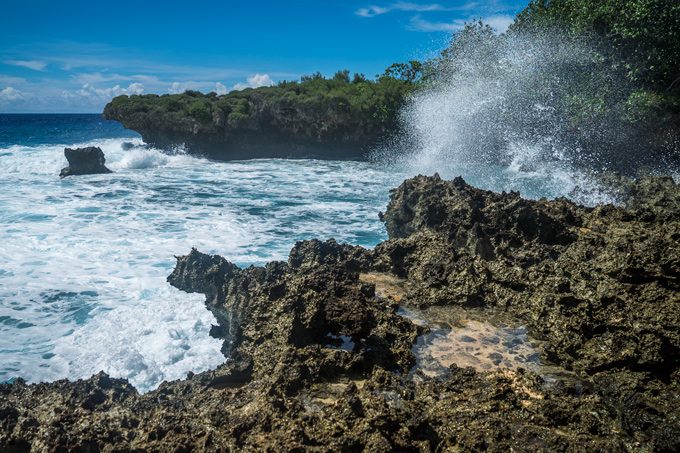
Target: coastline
320,357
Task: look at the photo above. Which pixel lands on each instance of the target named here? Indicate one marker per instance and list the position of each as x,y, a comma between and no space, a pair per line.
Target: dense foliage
639,39
598,76
644,33
339,109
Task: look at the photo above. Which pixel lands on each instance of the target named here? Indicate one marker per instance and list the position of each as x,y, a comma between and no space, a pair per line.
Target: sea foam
84,260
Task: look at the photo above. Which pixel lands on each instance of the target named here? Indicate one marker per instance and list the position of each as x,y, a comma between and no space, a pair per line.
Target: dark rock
84,161
293,120
599,287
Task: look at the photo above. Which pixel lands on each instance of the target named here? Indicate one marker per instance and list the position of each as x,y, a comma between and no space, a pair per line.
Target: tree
644,33
410,72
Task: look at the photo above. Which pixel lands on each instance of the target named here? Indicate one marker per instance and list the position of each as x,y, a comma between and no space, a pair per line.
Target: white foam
146,343
84,260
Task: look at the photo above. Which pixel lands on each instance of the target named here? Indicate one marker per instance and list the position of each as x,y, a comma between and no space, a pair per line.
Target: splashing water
84,260
500,112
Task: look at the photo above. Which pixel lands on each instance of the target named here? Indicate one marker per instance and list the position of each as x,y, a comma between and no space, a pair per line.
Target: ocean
84,259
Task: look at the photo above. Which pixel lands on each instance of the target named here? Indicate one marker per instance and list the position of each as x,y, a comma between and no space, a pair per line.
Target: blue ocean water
37,129
84,259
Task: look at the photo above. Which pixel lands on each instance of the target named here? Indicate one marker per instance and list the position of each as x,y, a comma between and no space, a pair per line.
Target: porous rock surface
84,161
318,362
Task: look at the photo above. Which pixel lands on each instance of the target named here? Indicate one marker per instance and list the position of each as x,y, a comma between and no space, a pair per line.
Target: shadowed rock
84,161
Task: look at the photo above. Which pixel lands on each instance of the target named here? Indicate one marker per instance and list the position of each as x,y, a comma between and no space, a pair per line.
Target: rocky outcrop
314,118
600,285
84,161
320,360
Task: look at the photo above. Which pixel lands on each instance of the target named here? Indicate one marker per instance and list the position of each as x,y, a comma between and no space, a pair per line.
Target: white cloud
374,10
144,78
30,64
220,89
499,23
9,94
181,87
177,88
90,91
136,88
255,81
419,24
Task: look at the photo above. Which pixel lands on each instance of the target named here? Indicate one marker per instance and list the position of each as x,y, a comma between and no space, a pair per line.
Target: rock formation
84,161
320,357
314,118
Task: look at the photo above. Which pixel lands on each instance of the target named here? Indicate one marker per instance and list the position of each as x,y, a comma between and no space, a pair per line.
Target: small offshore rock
84,161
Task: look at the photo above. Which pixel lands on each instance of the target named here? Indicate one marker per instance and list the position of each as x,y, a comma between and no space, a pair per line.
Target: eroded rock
84,161
320,359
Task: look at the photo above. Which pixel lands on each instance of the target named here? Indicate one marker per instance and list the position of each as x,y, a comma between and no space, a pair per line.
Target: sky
74,56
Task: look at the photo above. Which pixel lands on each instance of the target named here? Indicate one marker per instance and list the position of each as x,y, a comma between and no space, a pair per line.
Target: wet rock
600,285
84,161
320,359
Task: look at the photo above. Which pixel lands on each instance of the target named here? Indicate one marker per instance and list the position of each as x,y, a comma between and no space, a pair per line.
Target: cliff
321,349
317,117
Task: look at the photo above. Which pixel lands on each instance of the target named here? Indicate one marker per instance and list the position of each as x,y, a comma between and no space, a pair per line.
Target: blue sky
74,56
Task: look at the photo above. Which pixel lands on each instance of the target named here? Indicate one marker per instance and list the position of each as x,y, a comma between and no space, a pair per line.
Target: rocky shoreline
322,356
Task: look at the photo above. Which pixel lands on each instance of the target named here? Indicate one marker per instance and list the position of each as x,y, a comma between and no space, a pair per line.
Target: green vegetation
622,75
340,109
635,40
601,76
644,34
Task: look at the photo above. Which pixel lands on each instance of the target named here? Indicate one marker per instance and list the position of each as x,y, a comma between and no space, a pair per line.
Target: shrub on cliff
339,110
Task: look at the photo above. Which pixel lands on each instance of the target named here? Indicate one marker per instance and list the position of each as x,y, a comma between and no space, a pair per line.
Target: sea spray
536,112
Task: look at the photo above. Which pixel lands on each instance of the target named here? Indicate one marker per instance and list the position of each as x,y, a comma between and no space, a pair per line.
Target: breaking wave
500,111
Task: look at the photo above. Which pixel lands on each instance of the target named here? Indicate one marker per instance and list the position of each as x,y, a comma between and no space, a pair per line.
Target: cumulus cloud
30,64
220,89
499,23
255,81
9,94
177,88
90,91
135,88
373,10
